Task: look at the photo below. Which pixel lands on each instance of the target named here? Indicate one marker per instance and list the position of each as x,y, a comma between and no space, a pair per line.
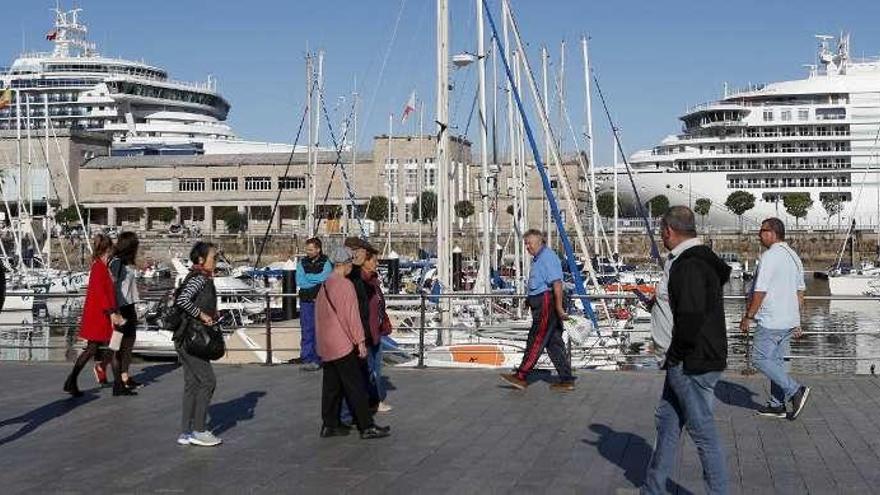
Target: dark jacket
360,288
310,265
699,331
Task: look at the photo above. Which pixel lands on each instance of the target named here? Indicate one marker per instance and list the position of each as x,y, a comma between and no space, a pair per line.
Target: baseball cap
340,256
358,243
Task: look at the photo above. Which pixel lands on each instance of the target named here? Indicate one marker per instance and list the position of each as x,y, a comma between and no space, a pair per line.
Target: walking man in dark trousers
696,357
545,301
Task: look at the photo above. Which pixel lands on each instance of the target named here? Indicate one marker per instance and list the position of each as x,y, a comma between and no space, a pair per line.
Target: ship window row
37,99
784,182
168,94
836,113
803,130
62,122
53,83
767,164
112,69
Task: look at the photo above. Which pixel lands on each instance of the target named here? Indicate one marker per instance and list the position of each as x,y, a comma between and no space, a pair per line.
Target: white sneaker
204,439
383,407
184,439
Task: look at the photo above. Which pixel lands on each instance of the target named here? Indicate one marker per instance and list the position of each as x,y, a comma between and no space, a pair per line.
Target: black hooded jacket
699,331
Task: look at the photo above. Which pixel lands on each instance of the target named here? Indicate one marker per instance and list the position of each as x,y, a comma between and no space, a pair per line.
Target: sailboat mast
592,169
486,254
616,202
514,166
444,255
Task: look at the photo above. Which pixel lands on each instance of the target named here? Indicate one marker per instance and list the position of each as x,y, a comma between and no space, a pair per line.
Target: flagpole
486,254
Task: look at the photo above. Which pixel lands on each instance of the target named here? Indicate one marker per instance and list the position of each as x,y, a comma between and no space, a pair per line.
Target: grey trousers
198,388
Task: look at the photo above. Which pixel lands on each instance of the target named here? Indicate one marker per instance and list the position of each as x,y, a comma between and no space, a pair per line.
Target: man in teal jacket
311,272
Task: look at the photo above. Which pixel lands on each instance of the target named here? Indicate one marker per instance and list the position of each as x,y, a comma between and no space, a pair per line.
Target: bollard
421,331
456,268
268,333
392,265
288,286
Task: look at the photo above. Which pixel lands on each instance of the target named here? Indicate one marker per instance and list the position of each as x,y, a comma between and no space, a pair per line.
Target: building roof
232,160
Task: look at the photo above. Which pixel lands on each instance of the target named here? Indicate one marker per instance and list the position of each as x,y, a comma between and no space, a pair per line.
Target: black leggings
93,350
129,332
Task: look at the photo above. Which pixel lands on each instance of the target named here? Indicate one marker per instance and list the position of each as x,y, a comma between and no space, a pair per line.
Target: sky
653,59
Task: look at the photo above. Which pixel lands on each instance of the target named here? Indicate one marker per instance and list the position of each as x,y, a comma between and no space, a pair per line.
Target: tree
235,221
658,205
332,212
797,205
426,208
165,214
701,207
377,209
740,202
833,206
67,215
605,204
464,209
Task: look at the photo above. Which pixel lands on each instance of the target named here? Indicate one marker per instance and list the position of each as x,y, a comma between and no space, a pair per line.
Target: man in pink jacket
341,345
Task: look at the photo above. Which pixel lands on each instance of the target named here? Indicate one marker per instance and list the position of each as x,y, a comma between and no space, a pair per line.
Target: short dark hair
126,247
201,250
776,226
534,233
314,241
680,219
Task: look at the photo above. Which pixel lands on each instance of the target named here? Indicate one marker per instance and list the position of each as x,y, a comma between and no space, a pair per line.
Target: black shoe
132,384
71,388
374,432
798,400
382,428
122,390
772,411
334,431
346,426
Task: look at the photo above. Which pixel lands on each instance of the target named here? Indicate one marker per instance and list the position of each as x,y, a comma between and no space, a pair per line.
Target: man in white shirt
775,304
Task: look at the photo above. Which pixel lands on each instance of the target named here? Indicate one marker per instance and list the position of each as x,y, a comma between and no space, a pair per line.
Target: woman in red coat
99,315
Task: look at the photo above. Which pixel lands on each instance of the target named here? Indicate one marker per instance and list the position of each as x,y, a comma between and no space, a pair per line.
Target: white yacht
74,87
817,135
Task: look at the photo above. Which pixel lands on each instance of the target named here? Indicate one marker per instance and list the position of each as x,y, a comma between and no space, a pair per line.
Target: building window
287,183
430,178
159,185
786,115
190,185
224,184
768,115
257,183
803,114
412,181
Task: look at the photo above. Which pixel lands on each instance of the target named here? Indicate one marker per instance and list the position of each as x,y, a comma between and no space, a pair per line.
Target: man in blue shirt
545,301
311,272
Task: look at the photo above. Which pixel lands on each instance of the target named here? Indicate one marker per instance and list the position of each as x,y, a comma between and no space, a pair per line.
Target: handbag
203,341
115,340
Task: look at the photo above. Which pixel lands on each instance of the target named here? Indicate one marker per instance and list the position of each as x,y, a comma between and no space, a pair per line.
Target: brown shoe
512,379
562,386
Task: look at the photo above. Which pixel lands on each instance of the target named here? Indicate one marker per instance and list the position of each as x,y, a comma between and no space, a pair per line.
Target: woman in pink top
340,336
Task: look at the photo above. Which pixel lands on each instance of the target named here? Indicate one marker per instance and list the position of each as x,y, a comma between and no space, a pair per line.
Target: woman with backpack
99,315
124,273
197,301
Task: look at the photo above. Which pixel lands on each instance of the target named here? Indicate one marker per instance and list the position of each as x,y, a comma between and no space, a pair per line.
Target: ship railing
424,310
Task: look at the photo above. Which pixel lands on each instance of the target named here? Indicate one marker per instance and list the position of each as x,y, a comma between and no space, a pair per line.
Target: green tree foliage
426,207
605,204
740,202
464,209
832,204
67,215
235,221
702,207
165,214
658,205
377,209
797,205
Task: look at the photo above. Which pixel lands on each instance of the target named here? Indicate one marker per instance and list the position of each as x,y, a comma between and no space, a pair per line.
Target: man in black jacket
696,357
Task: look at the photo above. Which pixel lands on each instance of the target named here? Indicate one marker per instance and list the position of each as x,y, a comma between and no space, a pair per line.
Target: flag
5,98
51,35
409,108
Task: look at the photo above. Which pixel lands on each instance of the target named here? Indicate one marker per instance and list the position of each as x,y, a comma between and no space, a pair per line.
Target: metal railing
422,304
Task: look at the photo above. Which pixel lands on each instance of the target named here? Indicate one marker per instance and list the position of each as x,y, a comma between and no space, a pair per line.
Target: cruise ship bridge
453,431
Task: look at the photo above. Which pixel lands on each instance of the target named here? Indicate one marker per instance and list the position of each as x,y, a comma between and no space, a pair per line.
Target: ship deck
454,431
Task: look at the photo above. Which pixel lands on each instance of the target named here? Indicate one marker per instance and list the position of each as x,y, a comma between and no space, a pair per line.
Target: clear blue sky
653,58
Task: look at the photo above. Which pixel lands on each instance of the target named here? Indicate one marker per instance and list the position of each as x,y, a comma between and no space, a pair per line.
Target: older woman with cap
341,345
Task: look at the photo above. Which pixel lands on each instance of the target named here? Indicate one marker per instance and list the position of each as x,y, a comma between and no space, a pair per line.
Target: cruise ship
817,135
73,86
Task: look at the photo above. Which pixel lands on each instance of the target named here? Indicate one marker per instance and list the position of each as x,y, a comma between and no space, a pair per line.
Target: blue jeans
769,347
307,351
687,402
